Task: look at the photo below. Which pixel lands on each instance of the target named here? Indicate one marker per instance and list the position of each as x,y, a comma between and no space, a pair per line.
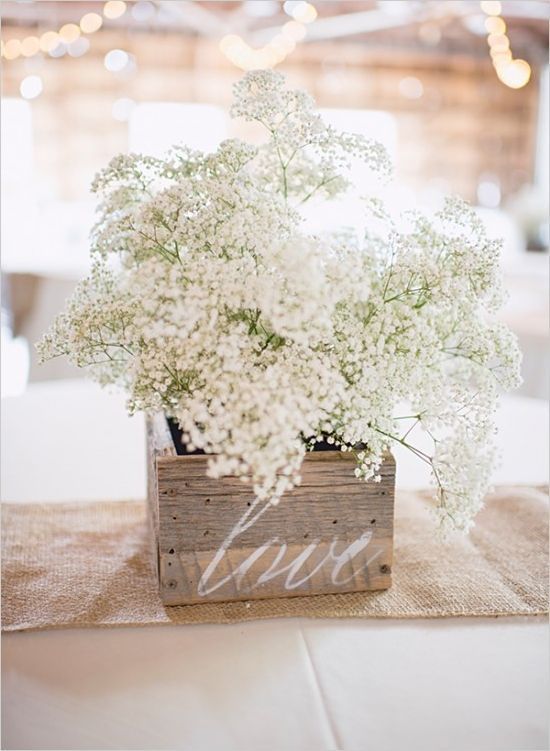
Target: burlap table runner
88,564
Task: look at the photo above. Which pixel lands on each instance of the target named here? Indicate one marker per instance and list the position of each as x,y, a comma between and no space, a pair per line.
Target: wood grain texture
159,444
216,541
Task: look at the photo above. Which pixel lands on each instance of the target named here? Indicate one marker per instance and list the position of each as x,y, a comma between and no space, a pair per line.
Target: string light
114,9
491,7
30,46
116,60
60,50
500,59
49,41
304,12
12,49
495,25
57,42
241,54
69,32
90,22
512,72
498,42
31,87
79,47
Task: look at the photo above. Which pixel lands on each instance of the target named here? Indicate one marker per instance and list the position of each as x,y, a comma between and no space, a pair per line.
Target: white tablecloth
296,685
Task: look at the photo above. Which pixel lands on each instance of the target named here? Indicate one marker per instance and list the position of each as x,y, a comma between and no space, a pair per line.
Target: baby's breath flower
208,301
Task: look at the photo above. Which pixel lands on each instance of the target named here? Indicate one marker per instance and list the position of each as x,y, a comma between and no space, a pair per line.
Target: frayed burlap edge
69,565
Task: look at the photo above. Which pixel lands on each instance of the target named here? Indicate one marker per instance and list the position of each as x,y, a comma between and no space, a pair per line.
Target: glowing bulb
294,30
30,46
495,25
69,32
114,9
495,52
59,50
79,47
49,41
516,74
304,12
501,58
116,60
31,87
12,49
491,7
90,22
498,42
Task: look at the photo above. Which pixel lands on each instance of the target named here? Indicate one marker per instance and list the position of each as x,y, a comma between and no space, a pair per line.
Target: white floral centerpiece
207,300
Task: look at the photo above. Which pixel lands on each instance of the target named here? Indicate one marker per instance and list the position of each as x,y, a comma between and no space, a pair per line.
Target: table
359,685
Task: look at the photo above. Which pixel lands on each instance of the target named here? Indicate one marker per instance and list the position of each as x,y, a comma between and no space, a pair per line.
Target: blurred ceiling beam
363,22
348,24
195,16
209,20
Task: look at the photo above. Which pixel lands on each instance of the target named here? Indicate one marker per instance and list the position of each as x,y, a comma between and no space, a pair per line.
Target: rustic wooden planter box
214,541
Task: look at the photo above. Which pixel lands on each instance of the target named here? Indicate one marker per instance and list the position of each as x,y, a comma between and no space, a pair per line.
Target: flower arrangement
208,300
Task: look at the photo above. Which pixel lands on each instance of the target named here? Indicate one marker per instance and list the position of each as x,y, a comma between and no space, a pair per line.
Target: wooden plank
159,444
216,541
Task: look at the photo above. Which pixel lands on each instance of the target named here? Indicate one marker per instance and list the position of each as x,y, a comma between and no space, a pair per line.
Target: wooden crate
215,542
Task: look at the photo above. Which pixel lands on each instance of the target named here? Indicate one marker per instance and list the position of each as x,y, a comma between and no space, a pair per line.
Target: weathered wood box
214,541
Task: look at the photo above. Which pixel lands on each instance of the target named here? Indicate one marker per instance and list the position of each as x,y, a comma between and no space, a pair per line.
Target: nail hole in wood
175,518
385,569
335,521
172,491
206,532
207,502
306,536
248,503
169,563
373,521
171,551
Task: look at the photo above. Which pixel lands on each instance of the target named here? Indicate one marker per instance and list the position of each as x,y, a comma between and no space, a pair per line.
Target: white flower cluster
208,301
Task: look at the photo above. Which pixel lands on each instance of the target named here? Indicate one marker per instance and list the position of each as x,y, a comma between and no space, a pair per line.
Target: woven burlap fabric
89,564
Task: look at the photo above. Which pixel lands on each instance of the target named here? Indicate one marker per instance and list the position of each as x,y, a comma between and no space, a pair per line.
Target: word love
295,564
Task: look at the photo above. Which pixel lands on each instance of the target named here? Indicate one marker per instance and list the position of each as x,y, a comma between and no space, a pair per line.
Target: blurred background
458,91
